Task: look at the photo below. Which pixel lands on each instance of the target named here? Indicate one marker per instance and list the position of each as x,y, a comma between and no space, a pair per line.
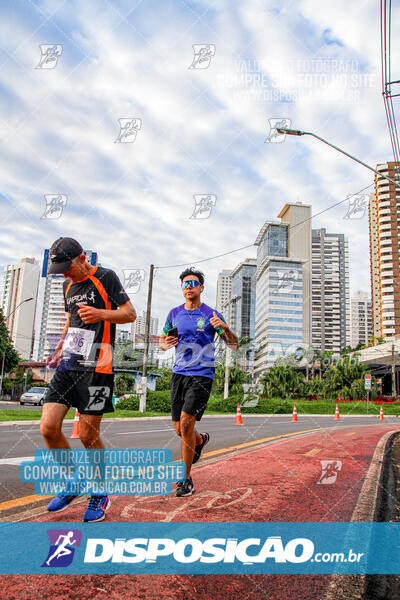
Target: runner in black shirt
94,301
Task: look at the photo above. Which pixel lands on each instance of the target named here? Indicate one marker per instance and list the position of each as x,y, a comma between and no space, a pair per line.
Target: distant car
34,395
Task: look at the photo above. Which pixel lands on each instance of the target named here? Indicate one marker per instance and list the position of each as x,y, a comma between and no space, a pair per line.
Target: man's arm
230,339
228,336
124,314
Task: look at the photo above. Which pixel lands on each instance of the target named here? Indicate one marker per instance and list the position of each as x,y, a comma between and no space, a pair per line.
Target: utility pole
228,352
143,394
394,391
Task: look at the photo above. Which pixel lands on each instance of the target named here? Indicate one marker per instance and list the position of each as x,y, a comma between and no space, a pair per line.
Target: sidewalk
278,482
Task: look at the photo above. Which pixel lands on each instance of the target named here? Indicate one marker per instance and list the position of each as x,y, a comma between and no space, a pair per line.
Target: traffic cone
294,415
239,420
75,428
337,416
381,415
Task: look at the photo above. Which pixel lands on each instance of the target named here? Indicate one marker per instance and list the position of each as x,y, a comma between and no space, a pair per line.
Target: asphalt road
19,442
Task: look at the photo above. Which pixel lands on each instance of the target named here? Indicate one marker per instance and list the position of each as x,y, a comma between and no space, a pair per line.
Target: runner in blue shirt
191,328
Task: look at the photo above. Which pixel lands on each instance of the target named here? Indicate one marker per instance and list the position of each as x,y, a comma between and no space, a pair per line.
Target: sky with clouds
199,130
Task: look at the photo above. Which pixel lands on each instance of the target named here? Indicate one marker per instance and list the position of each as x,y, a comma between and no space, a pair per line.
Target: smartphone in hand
173,332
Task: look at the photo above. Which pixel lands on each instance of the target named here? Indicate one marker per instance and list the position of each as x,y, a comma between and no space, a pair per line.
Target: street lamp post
299,132
4,351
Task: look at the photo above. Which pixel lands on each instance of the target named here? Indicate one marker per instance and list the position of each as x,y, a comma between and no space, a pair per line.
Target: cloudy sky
196,83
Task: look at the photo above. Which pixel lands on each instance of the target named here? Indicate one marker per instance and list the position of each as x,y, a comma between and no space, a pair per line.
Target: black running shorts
189,393
87,391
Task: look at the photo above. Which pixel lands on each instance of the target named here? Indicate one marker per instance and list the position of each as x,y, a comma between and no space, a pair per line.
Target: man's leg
189,439
51,429
89,431
89,434
177,426
51,425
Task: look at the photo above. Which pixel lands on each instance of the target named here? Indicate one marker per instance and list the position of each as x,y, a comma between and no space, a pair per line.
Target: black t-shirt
89,347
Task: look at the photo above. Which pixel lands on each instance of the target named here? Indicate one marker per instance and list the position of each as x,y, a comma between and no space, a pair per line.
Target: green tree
162,383
236,378
283,381
346,377
7,350
126,356
124,383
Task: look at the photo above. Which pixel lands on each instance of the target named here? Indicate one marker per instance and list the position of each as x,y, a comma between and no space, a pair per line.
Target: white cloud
202,131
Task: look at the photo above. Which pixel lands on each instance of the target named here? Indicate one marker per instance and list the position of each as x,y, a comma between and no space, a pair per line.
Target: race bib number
78,341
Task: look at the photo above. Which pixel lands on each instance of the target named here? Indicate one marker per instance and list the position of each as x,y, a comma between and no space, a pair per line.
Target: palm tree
346,377
282,381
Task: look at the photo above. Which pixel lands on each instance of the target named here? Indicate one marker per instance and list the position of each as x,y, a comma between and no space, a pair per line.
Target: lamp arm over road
299,132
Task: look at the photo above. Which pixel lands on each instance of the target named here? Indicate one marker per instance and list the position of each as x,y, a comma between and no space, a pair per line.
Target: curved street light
282,130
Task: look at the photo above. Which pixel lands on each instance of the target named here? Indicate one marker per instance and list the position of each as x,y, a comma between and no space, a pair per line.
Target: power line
251,245
386,22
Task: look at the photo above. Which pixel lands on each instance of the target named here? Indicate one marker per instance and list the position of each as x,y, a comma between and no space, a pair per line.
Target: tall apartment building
52,316
384,217
223,289
138,328
242,304
242,309
360,319
283,285
330,291
20,282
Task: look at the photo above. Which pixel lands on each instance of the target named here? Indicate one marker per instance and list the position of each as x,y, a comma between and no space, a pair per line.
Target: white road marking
17,460
145,431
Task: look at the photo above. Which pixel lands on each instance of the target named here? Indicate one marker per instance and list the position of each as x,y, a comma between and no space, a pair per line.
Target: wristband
220,331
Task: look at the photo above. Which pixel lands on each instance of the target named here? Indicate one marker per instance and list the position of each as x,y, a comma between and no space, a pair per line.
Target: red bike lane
313,477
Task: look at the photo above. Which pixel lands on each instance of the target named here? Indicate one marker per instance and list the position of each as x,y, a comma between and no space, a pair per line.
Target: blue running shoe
59,502
96,510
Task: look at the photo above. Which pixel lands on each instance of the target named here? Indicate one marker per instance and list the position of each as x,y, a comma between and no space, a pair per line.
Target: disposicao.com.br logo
248,551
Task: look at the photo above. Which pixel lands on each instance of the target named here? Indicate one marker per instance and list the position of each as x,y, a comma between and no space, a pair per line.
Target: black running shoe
199,449
186,489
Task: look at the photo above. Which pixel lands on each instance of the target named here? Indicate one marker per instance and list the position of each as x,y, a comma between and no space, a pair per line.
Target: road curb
353,586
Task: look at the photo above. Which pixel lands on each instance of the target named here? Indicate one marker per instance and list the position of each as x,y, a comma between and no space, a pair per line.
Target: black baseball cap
62,253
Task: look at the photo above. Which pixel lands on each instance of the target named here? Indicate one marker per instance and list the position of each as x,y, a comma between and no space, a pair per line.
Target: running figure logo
274,124
50,53
203,204
357,206
62,547
286,281
133,279
128,129
55,204
98,397
203,54
330,470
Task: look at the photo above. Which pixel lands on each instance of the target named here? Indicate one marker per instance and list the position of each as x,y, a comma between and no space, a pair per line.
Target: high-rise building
223,289
242,304
330,291
384,217
283,285
360,319
51,316
20,282
241,310
138,328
